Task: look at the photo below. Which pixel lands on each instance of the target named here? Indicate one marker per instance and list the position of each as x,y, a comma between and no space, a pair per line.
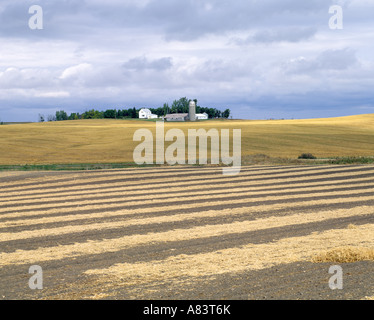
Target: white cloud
56,94
76,71
25,78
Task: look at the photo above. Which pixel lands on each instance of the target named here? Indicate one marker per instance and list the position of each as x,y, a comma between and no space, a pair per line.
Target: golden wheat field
188,232
111,141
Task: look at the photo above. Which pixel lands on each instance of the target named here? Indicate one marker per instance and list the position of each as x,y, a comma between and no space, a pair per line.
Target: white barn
147,114
202,116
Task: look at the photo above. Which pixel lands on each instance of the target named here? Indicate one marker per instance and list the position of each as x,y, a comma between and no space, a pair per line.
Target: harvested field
188,233
109,141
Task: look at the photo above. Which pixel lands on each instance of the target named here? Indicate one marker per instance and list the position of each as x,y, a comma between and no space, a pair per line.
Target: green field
81,143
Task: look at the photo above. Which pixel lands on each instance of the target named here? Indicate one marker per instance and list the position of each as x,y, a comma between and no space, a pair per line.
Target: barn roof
176,115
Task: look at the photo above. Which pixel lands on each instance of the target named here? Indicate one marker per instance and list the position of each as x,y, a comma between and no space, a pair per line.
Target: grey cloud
152,51
191,20
282,34
219,70
285,34
142,63
176,20
336,59
328,60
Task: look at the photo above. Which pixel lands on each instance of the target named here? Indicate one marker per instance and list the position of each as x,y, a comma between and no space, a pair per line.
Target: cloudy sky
260,58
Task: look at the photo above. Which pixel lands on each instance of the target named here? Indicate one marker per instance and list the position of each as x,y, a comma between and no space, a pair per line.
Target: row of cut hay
177,235
272,186
189,268
182,198
235,227
107,210
200,174
194,181
56,200
347,254
143,173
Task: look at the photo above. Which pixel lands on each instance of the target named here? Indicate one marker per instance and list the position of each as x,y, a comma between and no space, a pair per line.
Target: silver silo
192,111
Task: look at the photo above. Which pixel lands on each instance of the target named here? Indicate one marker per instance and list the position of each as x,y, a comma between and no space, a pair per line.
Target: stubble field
188,233
111,141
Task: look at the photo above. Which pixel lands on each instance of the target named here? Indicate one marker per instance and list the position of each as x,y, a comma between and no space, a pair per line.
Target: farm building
202,116
190,116
146,114
176,117
185,117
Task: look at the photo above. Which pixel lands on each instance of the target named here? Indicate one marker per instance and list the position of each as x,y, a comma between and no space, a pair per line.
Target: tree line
178,106
92,114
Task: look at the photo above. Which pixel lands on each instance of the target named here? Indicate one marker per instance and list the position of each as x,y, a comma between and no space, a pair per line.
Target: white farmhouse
147,114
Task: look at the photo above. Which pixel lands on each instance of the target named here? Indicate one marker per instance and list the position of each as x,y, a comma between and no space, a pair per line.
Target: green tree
61,115
180,106
110,114
166,109
133,113
73,116
92,114
119,114
226,113
126,113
